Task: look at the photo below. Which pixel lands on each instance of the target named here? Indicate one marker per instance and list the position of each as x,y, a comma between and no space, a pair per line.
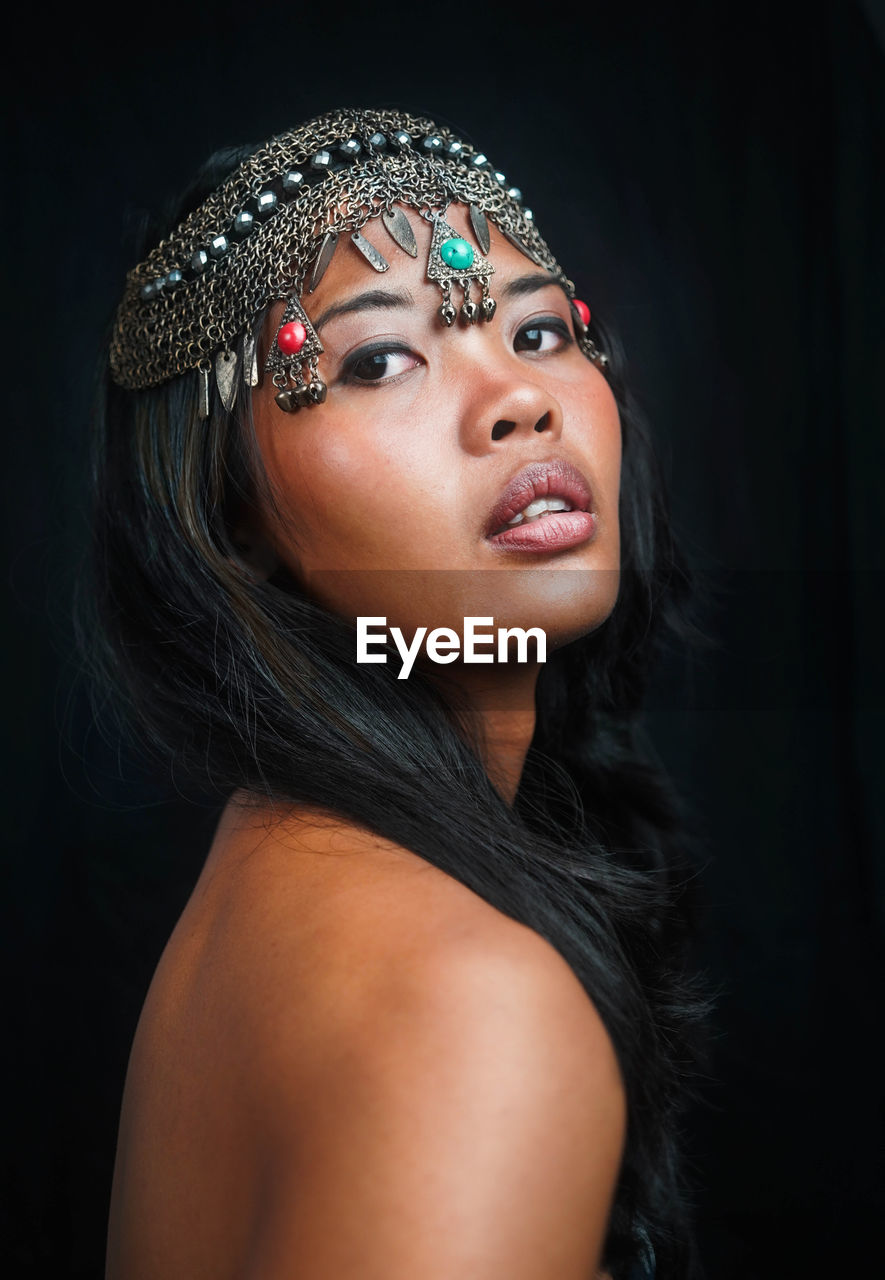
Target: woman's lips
554,530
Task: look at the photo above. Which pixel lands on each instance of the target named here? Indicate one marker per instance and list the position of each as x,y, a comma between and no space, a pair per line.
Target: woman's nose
505,409
504,426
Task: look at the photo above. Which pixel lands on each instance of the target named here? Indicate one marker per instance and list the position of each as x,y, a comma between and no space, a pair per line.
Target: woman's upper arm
469,1123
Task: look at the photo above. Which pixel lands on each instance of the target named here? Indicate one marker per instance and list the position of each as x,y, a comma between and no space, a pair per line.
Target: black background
712,178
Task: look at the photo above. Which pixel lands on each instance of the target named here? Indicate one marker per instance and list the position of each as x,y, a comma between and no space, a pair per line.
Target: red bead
583,311
292,337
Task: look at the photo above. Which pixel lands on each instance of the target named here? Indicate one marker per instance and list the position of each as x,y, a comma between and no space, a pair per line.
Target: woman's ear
255,551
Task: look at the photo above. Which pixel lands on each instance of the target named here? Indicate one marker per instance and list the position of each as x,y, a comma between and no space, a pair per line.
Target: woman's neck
503,702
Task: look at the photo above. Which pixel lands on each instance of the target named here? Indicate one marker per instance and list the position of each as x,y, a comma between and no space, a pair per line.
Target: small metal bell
489,307
469,312
317,391
447,314
288,400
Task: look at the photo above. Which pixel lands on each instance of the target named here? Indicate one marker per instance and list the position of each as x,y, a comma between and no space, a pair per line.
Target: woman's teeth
536,509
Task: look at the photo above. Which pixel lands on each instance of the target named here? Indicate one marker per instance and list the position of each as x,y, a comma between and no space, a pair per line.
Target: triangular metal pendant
439,270
400,231
282,362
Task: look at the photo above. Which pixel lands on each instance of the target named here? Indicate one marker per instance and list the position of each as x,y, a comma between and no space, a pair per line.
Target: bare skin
350,1066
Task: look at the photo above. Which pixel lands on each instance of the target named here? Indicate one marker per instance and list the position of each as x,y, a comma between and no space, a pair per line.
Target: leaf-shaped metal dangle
250,360
522,246
480,225
225,370
400,230
323,258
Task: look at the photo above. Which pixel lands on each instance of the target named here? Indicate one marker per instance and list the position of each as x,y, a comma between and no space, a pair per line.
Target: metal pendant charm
316,388
203,409
452,260
522,247
447,312
369,252
250,360
323,258
469,309
480,225
287,399
295,343
225,378
294,350
400,231
594,355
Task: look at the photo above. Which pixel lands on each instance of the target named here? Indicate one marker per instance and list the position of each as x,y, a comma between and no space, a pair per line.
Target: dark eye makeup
377,362
384,362
531,335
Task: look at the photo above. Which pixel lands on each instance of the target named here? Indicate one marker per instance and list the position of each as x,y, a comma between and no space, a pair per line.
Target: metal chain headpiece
272,226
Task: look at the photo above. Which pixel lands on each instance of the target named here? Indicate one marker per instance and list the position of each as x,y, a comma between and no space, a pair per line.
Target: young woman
425,1014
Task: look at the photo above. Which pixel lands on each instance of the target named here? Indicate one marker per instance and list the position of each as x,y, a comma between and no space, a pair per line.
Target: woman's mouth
545,508
535,510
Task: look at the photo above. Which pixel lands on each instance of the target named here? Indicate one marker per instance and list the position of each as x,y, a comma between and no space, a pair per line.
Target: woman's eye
379,365
550,334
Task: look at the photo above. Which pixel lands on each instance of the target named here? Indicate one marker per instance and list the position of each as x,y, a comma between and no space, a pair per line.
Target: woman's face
387,492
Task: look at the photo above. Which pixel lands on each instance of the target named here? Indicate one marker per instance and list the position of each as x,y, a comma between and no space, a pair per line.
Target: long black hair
247,683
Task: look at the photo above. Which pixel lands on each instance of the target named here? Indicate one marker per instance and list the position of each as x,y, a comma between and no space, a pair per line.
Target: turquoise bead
456,253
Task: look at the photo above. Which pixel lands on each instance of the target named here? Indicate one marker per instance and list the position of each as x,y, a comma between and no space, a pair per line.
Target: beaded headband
269,232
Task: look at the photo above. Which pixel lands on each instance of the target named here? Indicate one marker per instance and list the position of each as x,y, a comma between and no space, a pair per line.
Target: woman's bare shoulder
444,1047
393,1047
321,914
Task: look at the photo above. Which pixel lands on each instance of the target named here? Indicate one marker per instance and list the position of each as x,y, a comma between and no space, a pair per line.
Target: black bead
292,181
350,149
378,142
321,162
266,203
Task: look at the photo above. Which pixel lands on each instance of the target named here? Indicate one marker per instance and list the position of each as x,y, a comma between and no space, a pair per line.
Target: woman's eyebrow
371,300
532,283
384,300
